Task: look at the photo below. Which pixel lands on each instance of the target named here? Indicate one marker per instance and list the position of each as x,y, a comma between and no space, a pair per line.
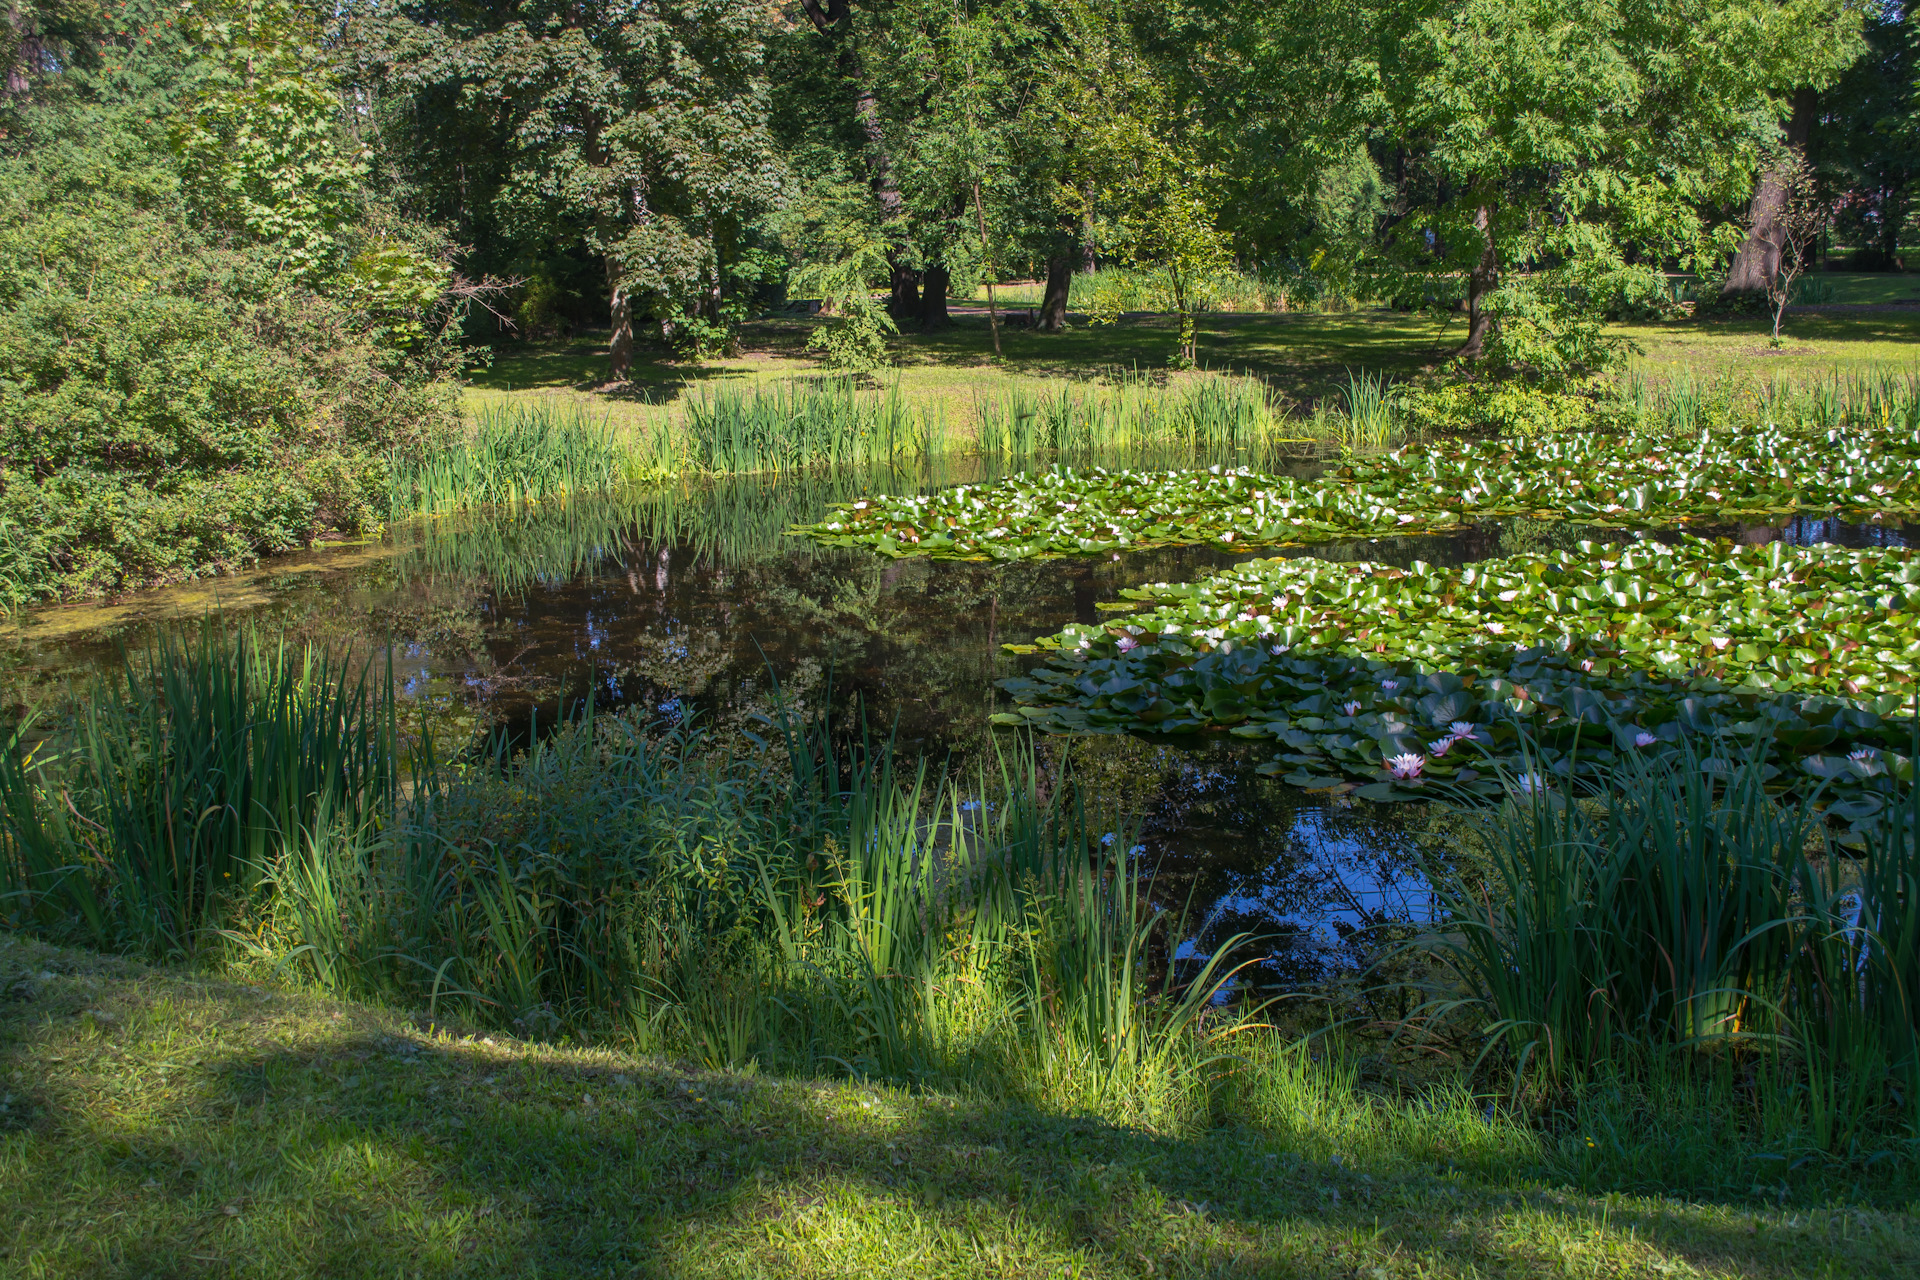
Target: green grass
159,1122
1307,358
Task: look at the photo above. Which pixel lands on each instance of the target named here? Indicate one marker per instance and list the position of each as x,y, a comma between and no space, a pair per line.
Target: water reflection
684,600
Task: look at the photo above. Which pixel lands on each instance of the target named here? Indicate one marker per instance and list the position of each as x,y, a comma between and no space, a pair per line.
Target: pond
694,601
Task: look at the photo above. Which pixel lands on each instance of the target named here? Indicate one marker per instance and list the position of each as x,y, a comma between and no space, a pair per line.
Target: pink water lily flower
1128,644
1441,746
1350,709
1406,767
1461,728
1644,739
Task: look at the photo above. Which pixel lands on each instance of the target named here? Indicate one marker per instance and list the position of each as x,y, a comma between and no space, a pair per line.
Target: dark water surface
692,601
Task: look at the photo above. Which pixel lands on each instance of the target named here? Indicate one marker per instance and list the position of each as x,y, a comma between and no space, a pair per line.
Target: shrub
174,397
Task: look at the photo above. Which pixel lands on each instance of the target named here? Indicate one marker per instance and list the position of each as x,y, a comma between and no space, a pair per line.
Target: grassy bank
166,1122
804,904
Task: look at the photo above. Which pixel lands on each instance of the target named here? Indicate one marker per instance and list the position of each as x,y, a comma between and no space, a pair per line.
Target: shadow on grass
186,1127
1303,355
382,1153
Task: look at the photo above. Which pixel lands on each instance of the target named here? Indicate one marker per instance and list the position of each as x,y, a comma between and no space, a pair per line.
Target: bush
1496,407
175,398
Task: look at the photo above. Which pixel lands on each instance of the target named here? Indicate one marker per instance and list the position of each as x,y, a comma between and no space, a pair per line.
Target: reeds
1208,417
180,781
1682,910
521,453
1687,404
787,426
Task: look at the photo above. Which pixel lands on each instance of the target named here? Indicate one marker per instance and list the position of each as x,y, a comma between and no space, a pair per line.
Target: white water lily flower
1496,627
1529,783
1389,686
1350,709
1864,755
1461,728
1406,766
1644,739
1280,649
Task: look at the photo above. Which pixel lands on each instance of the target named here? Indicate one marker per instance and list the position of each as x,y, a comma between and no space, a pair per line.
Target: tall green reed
180,779
521,453
1208,416
784,426
1677,909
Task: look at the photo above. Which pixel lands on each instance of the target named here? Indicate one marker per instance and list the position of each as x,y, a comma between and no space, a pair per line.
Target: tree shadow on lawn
392,1151
1303,355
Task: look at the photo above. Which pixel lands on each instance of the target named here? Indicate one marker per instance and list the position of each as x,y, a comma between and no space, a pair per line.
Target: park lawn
161,1122
1817,342
1305,356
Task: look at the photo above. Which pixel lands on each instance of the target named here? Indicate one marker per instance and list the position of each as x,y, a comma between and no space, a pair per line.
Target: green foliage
1685,909
1502,407
258,140
845,256
1541,663
1636,477
517,454
180,393
153,817
638,139
1652,114
790,426
1205,415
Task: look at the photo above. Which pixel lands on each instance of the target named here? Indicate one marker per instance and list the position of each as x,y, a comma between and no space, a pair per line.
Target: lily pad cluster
1820,619
1632,478
1520,672
1638,477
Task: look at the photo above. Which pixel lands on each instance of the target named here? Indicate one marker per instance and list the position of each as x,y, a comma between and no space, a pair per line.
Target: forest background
249,249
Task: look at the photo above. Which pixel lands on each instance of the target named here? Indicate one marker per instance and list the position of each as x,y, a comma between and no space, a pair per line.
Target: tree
640,130
1795,223
259,140
1162,217
1864,141
1553,156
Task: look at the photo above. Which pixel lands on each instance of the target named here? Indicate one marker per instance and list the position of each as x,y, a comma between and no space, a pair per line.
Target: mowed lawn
159,1123
1304,356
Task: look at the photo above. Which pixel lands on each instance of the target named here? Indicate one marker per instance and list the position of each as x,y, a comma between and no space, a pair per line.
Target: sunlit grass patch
194,1127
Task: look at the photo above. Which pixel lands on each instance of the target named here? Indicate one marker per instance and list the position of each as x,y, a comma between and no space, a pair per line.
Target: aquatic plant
1815,619
180,780
734,429
1208,416
1636,478
1677,907
519,453
1582,658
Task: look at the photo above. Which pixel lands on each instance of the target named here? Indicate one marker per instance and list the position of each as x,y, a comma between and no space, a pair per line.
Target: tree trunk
1893,217
1088,264
1053,304
1758,261
986,267
1481,281
903,300
620,345
933,298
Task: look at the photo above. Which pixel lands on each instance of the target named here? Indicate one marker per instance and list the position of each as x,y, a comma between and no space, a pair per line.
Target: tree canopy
662,168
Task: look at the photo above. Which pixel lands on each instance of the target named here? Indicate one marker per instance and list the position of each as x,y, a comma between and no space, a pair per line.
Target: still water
694,601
